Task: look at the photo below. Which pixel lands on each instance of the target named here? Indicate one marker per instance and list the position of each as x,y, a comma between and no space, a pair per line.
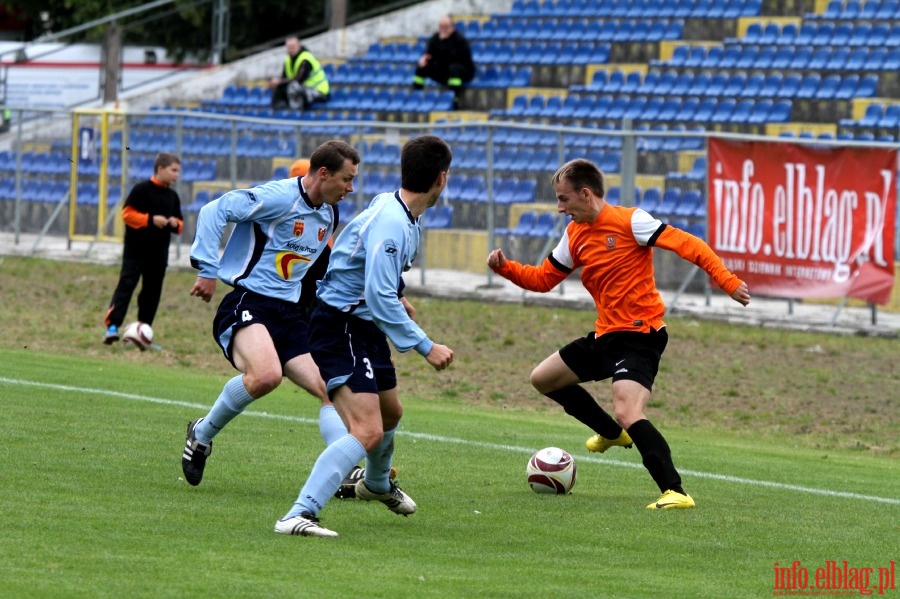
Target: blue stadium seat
871,116
753,86
759,113
809,86
669,202
868,86
695,57
858,60
748,56
838,59
723,111
772,85
742,111
544,226
730,57
823,34
820,58
891,117
847,87
782,58
526,222
717,84
841,35
632,82
650,200
828,87
735,86
788,35
790,86
781,112
888,9
805,35
753,33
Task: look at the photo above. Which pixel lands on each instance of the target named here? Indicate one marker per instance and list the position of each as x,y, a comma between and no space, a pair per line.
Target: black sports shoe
347,490
193,459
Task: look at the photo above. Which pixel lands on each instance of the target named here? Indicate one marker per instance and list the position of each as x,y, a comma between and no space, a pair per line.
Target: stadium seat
828,87
809,86
847,87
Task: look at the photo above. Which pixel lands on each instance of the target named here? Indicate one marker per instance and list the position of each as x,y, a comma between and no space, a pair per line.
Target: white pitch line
491,446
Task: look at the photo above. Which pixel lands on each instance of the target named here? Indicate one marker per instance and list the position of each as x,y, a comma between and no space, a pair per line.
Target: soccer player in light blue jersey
360,310
281,229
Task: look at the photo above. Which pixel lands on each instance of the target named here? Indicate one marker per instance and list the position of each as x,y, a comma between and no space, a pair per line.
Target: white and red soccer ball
551,470
139,334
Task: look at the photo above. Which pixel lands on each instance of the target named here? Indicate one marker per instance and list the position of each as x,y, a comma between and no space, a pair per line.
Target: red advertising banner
804,222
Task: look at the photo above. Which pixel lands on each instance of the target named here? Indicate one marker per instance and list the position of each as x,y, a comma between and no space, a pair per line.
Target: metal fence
67,174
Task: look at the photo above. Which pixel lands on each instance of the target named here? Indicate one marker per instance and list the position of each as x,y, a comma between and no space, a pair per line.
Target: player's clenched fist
440,356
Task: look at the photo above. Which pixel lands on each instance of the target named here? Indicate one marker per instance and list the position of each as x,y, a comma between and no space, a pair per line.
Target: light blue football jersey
366,265
277,235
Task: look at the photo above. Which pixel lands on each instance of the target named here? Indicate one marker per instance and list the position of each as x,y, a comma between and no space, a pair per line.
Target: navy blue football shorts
622,355
284,321
350,351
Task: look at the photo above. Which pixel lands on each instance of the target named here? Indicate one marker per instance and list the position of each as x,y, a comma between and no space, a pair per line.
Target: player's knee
262,383
369,437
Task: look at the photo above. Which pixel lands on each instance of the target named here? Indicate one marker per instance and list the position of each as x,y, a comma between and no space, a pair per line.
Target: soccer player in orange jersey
613,246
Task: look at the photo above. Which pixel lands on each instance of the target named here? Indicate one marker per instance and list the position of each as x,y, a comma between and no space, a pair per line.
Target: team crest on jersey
321,234
610,242
284,263
298,228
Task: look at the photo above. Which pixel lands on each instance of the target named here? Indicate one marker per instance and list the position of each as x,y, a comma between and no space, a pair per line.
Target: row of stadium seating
796,58
401,74
820,34
730,84
698,9
654,108
857,9
570,29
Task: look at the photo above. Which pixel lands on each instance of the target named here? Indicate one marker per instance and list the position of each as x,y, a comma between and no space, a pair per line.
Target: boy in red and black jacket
152,213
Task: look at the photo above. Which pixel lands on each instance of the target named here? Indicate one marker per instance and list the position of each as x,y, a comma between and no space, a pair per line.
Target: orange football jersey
616,259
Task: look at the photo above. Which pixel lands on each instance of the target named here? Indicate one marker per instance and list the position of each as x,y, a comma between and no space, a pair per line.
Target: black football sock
578,403
657,456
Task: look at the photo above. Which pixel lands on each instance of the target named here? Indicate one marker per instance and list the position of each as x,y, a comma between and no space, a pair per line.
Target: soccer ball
551,470
138,333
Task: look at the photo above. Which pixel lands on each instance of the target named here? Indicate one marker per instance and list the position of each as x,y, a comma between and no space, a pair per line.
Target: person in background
613,246
360,310
447,60
303,80
281,230
152,212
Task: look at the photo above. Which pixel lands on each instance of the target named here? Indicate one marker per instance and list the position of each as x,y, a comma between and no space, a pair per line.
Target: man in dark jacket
447,60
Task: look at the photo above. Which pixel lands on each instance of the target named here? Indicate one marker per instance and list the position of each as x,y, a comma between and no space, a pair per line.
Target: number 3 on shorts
369,372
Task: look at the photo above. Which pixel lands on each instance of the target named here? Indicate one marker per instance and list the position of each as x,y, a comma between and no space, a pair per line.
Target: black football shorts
618,355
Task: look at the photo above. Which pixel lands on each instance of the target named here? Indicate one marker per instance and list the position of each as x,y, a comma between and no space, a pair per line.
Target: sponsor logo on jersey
284,263
610,242
390,249
298,228
251,197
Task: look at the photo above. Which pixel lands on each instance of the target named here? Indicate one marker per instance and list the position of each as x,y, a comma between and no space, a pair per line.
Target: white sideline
493,446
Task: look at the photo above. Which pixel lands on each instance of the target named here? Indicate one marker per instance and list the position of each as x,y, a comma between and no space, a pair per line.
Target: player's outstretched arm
204,288
440,356
742,294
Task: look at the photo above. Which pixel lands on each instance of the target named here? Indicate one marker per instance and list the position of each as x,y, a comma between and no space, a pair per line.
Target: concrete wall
415,21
